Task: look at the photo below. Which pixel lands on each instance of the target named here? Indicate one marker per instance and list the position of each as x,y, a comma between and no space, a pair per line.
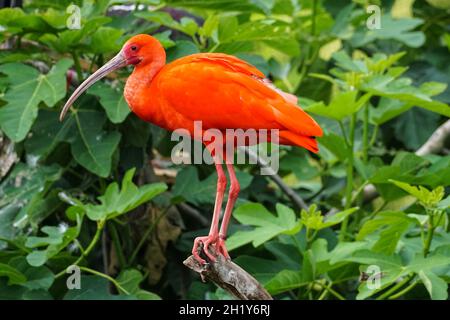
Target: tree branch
295,198
194,213
230,277
8,156
434,144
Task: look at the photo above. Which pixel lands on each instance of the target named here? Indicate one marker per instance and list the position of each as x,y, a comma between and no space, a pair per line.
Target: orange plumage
220,90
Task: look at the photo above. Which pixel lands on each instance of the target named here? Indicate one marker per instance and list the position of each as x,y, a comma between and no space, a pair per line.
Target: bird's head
139,50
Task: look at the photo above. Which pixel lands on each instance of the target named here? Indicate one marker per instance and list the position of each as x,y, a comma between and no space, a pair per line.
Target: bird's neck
139,82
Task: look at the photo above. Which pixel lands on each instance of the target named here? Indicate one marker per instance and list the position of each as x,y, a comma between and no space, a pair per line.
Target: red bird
220,90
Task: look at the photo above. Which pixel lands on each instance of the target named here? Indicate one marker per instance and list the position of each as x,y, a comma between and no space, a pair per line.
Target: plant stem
297,244
432,225
404,291
395,287
100,226
307,238
311,53
349,187
344,134
18,246
116,242
100,274
428,240
76,60
374,136
323,295
331,290
313,18
214,48
366,133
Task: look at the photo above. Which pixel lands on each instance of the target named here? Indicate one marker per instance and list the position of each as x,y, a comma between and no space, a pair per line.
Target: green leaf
426,197
313,219
8,15
105,40
112,101
444,204
342,105
14,276
284,281
37,278
407,124
69,40
27,89
392,223
401,89
335,144
392,267
393,29
94,288
261,6
436,286
115,202
56,240
47,132
130,280
164,38
262,269
92,147
344,61
267,226
387,109
19,192
181,49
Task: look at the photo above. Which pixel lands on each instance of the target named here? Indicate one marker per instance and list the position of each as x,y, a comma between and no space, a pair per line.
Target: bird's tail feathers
291,138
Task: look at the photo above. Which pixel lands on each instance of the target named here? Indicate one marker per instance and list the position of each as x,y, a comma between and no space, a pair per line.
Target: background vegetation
74,192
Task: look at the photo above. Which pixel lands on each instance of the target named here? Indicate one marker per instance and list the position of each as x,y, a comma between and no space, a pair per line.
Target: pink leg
213,235
232,197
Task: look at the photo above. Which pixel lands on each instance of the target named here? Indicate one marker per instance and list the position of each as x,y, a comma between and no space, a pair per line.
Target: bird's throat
138,85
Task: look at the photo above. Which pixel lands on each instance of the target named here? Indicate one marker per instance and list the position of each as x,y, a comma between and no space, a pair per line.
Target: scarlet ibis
220,90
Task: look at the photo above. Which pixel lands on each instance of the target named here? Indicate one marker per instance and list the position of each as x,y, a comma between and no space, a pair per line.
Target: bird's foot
206,242
221,248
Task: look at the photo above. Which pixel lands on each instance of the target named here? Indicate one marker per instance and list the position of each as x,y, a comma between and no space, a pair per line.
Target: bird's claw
205,242
221,248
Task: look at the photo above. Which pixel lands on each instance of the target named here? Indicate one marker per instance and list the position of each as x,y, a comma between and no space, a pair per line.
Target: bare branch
298,201
437,140
230,277
434,144
194,213
8,156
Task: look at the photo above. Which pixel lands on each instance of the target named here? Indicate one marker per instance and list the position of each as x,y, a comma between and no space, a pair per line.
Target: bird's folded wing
225,92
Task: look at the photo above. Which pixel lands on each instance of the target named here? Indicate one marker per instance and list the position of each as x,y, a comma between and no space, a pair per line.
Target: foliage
378,94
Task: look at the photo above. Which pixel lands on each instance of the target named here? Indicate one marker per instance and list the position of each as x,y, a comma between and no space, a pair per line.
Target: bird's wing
226,92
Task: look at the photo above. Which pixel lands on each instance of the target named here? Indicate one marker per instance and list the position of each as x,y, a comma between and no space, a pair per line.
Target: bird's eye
133,48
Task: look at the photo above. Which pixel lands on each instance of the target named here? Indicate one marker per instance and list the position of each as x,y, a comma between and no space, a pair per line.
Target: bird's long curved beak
115,63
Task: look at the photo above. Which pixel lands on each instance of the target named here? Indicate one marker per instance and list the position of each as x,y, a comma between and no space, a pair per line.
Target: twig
298,201
434,144
230,277
194,213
